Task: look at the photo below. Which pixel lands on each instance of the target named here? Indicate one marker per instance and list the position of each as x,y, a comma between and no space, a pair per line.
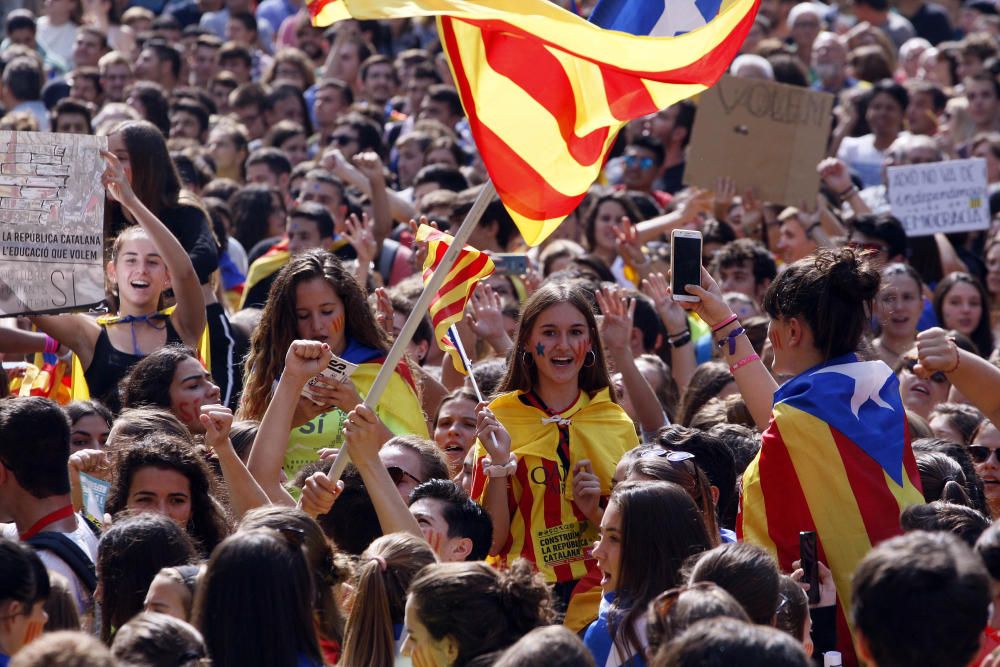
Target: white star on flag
869,378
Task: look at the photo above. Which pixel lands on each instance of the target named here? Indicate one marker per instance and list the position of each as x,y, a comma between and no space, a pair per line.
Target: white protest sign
51,222
946,197
95,495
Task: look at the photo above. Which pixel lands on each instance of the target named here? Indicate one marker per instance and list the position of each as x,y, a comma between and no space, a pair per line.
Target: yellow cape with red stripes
546,526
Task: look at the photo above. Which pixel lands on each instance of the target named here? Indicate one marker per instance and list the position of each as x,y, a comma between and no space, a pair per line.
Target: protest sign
95,495
949,196
51,222
765,135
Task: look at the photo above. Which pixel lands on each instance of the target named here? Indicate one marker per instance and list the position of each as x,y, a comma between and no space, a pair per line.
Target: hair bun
524,599
852,277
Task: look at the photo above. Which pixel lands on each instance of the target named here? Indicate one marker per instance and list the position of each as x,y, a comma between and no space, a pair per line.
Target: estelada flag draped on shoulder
546,92
448,304
836,459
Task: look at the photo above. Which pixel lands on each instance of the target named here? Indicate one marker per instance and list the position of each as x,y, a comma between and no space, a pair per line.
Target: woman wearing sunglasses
920,393
985,450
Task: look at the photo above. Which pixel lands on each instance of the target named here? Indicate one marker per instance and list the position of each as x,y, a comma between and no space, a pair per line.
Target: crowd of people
620,478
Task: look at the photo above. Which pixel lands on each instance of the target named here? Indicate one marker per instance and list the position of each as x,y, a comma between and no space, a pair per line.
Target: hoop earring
593,359
526,358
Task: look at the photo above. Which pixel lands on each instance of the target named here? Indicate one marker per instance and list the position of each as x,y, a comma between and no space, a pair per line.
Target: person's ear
422,348
714,490
795,332
635,339
112,272
459,549
864,650
450,649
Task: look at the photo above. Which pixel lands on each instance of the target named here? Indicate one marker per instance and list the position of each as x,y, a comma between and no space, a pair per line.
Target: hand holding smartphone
808,555
685,263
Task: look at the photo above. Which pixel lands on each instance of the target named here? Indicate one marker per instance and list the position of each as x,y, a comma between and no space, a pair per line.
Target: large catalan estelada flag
836,459
448,304
654,17
546,91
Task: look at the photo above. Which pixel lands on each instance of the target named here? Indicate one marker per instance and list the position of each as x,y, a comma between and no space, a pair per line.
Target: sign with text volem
51,222
946,197
765,135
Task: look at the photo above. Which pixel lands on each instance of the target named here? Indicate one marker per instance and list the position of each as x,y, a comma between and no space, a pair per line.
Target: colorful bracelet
731,337
958,356
743,362
51,345
726,322
502,469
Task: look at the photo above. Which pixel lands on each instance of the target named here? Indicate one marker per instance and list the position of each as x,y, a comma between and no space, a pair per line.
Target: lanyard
48,519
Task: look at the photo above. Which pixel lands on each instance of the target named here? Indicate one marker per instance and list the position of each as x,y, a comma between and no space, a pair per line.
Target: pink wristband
743,362
51,345
729,320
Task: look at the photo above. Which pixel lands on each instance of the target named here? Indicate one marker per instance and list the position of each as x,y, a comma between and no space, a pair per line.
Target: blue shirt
599,639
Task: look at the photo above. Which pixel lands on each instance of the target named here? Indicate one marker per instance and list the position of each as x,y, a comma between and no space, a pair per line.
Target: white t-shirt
84,538
57,39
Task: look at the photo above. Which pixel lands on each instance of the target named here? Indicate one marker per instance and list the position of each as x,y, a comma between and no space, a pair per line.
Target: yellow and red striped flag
546,92
448,304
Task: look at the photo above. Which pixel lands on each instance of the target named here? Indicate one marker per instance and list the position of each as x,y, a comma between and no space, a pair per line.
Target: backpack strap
70,553
387,258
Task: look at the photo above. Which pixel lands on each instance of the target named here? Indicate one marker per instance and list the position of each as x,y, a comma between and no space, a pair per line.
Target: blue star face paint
540,350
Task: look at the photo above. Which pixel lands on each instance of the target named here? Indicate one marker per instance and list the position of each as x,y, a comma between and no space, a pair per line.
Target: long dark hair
652,553
688,476
981,335
707,381
250,207
832,291
130,555
254,605
617,197
148,382
328,570
208,525
154,177
524,376
278,323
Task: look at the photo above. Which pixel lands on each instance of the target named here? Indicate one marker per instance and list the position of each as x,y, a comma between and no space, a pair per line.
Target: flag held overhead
546,92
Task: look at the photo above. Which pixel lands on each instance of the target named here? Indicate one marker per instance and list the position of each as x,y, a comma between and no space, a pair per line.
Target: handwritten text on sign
941,197
51,222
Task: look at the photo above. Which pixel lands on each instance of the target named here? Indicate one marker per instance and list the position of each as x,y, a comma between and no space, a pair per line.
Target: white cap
832,659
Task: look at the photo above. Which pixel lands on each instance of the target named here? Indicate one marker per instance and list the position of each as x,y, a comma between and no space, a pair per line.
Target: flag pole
457,342
417,314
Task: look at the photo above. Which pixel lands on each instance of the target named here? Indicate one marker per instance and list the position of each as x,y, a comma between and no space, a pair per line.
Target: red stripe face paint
337,325
580,350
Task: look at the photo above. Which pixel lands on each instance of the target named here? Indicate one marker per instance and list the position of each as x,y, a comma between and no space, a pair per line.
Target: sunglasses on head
668,454
342,139
398,474
937,377
643,163
982,454
864,247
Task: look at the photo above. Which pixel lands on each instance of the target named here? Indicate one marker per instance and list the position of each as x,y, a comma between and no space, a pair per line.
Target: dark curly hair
148,382
208,524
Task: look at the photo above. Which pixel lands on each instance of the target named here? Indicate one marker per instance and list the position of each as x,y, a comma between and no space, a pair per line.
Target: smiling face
898,305
558,344
989,470
793,243
319,313
161,490
139,272
884,115
608,549
962,308
455,430
609,215
191,388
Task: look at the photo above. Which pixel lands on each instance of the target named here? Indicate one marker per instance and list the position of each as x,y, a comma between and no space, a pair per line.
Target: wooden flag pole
417,314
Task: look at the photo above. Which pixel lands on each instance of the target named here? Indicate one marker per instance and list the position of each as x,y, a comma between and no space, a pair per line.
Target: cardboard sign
51,222
949,196
765,135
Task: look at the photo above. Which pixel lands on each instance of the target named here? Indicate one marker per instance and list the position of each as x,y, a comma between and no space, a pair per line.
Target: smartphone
810,564
510,263
685,263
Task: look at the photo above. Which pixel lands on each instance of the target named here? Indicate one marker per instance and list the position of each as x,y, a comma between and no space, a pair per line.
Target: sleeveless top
110,365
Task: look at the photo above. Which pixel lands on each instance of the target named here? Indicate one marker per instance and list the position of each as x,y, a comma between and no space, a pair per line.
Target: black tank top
110,365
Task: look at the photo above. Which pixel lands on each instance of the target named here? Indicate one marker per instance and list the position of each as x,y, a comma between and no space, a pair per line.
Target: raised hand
487,313
712,308
306,359
627,243
383,310
116,181
217,420
657,288
420,247
492,434
835,175
364,433
359,235
616,323
94,462
936,351
319,493
370,164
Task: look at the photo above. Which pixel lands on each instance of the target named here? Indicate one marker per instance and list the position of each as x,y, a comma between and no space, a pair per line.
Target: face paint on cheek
338,324
776,340
189,411
539,350
580,350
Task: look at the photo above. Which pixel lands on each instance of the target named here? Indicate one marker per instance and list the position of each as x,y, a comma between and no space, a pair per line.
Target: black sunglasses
937,377
342,139
398,474
982,454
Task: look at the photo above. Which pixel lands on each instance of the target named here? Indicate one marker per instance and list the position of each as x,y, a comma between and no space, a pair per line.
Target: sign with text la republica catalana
51,222
945,197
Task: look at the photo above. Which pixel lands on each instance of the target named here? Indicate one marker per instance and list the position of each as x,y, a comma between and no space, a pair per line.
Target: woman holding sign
567,435
146,260
314,297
